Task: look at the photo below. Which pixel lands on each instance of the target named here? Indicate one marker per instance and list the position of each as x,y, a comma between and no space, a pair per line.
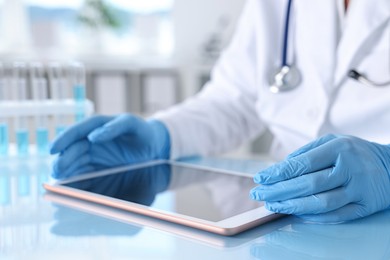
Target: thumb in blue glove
101,142
333,179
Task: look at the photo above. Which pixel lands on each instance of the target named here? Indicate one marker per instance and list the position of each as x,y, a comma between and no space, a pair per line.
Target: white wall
194,22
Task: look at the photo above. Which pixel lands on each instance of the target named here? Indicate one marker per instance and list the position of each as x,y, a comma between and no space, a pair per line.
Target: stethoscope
288,77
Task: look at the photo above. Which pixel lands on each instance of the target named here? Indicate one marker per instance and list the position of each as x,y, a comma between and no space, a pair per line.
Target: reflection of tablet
207,199
72,212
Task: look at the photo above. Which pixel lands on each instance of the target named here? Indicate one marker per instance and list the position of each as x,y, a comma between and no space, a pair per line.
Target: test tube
19,76
58,91
5,191
77,77
4,134
39,91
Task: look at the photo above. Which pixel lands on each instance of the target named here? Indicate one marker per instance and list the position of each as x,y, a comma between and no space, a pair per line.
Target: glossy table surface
35,224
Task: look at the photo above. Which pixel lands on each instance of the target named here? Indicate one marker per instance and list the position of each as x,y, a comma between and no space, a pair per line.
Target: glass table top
35,224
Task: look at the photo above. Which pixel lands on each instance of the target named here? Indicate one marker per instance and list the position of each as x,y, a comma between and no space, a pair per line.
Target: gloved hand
333,179
103,141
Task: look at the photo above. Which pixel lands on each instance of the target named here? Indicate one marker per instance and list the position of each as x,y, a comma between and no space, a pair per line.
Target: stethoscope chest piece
288,77
284,79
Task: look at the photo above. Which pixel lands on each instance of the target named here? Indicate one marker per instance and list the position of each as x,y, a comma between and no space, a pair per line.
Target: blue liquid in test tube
4,139
42,141
22,141
21,122
79,93
39,87
58,87
79,97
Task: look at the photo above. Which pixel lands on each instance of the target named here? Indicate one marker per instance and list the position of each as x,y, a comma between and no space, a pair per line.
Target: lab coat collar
363,18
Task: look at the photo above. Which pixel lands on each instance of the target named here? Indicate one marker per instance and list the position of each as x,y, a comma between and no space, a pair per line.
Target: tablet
208,199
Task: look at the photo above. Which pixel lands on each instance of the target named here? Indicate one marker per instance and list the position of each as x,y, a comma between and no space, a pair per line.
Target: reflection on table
33,227
367,238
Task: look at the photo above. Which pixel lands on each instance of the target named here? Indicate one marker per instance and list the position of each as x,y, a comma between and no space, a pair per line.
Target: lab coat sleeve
221,116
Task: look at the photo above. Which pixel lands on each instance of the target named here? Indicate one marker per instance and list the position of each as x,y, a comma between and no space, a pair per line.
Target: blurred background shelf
152,55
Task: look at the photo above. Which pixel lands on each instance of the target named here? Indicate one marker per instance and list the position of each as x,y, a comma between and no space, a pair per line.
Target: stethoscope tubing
280,81
364,80
285,35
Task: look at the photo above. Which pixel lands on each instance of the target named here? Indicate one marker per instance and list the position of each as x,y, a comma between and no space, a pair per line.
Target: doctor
308,70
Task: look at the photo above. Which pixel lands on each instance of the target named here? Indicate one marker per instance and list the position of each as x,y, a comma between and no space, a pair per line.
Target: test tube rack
45,108
69,108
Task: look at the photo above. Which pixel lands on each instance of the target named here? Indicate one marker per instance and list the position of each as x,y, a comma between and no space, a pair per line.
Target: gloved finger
312,145
122,124
73,168
315,204
348,212
70,155
319,158
302,186
77,132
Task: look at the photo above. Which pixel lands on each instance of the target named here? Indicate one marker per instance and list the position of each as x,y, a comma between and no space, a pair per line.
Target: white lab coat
236,105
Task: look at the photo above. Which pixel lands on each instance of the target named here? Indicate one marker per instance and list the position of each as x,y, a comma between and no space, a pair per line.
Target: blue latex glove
103,141
333,179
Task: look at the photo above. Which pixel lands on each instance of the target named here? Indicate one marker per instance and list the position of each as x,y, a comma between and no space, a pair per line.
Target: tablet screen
199,193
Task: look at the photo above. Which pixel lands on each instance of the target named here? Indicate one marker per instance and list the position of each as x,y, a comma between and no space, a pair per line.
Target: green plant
98,14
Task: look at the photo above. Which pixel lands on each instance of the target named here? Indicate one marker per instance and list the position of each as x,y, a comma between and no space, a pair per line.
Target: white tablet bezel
227,227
